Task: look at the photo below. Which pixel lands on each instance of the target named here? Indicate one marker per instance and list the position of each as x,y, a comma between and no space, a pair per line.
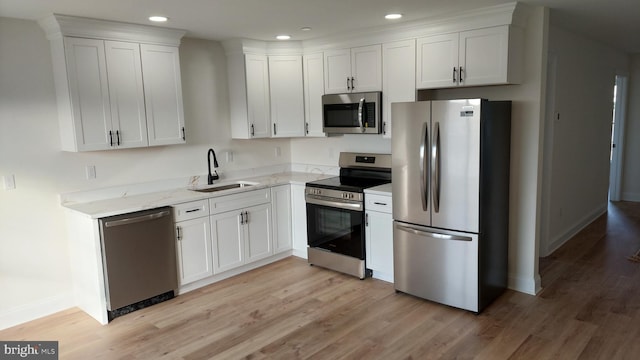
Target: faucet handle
215,175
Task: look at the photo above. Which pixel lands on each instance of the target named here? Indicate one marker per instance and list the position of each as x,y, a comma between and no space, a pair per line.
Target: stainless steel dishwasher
139,259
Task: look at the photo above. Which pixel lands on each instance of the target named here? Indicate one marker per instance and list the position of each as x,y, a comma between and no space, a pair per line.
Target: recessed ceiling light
393,16
283,37
158,18
306,28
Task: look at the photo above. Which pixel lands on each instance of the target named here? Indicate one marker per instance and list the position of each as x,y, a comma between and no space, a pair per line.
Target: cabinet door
163,94
437,61
299,219
281,210
337,71
287,96
399,73
484,55
195,261
89,92
379,244
313,70
126,94
366,68
258,244
227,232
258,113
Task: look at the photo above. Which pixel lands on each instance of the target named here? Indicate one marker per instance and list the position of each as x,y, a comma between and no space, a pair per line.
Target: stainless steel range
335,212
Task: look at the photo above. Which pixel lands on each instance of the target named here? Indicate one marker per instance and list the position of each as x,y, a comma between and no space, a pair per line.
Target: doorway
617,136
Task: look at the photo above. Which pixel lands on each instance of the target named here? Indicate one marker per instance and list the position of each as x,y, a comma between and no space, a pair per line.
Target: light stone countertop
384,190
125,203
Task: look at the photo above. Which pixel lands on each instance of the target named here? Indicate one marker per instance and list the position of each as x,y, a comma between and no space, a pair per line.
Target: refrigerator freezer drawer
436,265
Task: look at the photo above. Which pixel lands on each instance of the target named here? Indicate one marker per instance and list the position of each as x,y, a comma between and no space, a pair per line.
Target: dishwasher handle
137,219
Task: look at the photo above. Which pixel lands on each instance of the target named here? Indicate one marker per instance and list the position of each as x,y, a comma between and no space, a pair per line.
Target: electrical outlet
278,151
9,182
229,155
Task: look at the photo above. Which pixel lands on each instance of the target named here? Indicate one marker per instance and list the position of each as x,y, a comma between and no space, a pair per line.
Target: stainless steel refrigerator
450,181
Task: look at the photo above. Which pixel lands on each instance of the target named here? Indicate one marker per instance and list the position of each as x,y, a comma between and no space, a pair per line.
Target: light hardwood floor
589,308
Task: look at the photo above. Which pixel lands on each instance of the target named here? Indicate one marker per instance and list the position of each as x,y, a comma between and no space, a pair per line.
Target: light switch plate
9,182
90,172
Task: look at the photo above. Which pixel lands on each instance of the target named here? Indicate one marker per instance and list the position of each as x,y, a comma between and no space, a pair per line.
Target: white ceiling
611,21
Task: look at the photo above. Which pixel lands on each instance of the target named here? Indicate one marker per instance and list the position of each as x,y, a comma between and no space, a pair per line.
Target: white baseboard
629,196
561,239
300,253
527,285
34,310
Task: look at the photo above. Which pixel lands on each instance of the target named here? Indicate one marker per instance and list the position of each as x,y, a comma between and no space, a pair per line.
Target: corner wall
578,134
631,170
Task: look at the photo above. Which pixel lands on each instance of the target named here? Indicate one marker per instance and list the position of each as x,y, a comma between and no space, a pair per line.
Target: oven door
336,226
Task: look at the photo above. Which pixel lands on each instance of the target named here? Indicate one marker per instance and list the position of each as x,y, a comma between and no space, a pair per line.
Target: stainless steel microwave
352,113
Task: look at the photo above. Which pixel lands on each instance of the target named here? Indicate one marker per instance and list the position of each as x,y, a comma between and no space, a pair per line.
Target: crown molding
56,26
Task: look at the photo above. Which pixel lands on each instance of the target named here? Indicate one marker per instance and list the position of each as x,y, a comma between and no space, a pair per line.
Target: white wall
631,170
579,141
34,264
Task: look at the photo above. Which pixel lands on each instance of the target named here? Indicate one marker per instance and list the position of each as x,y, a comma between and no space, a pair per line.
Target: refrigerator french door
450,180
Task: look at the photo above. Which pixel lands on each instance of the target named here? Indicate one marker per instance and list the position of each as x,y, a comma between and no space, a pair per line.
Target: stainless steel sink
224,187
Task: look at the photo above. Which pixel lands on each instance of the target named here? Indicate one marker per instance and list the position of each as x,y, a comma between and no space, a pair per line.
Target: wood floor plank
589,308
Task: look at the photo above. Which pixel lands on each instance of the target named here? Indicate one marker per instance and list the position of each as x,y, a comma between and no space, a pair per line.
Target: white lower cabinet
223,233
242,235
195,261
299,220
193,245
281,210
227,235
379,236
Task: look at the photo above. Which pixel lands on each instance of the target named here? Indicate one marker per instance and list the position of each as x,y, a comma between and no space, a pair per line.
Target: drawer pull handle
379,203
192,210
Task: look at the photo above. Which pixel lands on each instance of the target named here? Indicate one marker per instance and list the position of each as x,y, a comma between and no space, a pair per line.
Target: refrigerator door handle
420,232
435,167
424,167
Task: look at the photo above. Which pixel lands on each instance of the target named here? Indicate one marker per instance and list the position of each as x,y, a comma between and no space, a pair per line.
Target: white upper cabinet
115,93
87,119
273,93
257,88
248,80
398,82
163,94
437,61
126,93
353,70
287,95
313,70
486,56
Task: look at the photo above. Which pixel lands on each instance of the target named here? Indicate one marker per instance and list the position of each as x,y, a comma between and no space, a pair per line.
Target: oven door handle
336,203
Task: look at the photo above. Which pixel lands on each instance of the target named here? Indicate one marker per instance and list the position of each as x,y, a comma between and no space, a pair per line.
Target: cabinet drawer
378,203
240,200
191,210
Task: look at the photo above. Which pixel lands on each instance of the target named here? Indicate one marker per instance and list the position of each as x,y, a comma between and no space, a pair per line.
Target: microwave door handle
361,115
